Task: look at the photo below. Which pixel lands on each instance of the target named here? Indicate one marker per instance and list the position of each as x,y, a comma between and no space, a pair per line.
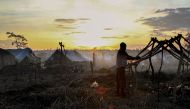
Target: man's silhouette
122,58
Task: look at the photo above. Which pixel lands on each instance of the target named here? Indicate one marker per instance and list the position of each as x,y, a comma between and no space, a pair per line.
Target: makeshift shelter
6,58
25,56
29,60
75,56
44,55
57,58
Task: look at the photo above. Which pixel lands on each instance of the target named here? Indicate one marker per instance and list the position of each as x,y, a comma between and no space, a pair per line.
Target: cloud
114,37
84,19
70,23
71,20
158,33
71,33
174,19
66,27
78,32
108,28
66,20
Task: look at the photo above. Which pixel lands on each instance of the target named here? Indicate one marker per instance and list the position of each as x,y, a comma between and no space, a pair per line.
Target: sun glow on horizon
81,23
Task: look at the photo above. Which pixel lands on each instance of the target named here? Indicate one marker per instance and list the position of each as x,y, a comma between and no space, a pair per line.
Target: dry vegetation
64,88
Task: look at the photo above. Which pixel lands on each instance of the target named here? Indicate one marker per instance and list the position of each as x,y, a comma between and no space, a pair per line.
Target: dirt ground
63,88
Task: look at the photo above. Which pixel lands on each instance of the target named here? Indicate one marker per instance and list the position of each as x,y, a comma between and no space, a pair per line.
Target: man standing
121,62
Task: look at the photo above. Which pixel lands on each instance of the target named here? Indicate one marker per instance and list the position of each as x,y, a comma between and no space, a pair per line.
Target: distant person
121,62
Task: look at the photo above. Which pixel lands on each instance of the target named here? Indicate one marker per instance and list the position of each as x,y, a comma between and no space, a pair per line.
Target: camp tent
25,56
6,58
75,56
57,58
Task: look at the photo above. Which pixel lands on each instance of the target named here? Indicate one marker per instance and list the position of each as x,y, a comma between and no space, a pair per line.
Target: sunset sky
85,24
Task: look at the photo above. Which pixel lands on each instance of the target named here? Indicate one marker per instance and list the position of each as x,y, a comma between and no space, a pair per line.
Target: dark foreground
63,88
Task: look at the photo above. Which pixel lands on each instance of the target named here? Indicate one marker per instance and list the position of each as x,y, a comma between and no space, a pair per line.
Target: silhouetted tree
19,40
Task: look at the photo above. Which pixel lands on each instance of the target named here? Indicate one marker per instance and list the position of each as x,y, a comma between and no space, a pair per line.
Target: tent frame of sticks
174,47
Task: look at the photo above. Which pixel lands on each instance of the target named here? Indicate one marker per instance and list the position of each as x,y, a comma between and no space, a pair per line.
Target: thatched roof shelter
57,58
6,58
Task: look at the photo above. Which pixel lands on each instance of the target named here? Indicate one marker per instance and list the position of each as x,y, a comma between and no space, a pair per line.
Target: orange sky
85,24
